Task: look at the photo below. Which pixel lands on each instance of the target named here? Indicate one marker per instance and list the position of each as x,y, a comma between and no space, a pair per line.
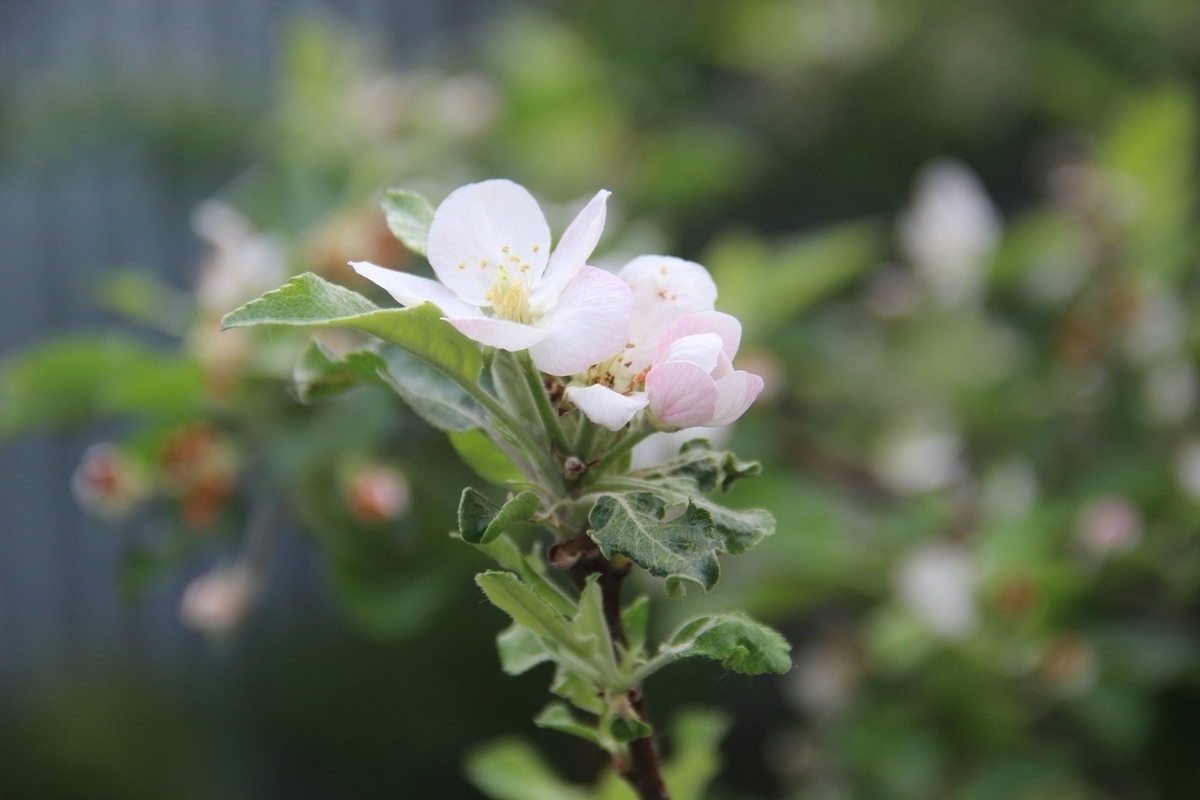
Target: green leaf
509,769
697,754
505,552
558,717
682,548
579,690
627,729
310,301
75,379
704,467
486,457
509,594
520,650
409,216
635,619
591,627
480,520
319,373
737,641
140,295
434,397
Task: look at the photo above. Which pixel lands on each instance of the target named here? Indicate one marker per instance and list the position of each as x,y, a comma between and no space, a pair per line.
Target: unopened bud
378,494
107,483
216,603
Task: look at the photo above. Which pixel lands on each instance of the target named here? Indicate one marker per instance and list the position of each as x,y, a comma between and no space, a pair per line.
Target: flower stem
537,390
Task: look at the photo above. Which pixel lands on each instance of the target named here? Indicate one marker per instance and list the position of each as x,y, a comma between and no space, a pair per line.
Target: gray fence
63,220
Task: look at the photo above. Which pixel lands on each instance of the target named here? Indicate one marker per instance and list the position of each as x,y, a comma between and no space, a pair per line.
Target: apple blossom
500,285
677,361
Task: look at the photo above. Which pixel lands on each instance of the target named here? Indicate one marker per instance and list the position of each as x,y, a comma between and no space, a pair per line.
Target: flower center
509,298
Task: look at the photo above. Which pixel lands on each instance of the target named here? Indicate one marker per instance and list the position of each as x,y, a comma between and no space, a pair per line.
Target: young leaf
697,757
310,301
591,627
635,619
409,216
480,520
505,552
627,729
520,650
705,468
582,692
737,641
509,594
319,373
558,717
680,549
510,769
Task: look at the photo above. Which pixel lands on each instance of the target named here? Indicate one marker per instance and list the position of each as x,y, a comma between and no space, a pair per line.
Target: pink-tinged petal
701,349
682,395
498,333
735,393
587,325
664,289
412,290
472,229
571,253
724,325
605,407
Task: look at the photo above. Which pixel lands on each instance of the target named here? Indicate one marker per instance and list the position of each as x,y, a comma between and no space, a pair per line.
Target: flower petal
735,393
412,290
605,407
587,325
701,349
682,395
571,253
724,325
483,229
498,332
664,289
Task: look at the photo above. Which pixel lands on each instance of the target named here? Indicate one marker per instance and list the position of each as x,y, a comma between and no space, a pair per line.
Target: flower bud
107,483
378,494
216,603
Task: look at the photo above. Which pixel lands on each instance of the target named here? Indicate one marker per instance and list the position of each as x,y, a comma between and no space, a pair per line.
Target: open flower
678,360
489,245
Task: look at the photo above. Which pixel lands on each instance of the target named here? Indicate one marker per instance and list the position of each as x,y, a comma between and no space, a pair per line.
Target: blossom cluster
647,337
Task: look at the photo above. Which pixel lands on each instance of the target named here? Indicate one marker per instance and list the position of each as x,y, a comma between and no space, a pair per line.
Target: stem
643,771
518,433
533,379
620,450
584,439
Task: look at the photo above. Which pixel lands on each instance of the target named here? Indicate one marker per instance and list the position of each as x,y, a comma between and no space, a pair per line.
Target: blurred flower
349,235
937,583
200,466
1157,327
378,104
1107,525
377,494
107,483
949,232
920,461
490,247
1187,468
1069,664
216,603
825,676
242,263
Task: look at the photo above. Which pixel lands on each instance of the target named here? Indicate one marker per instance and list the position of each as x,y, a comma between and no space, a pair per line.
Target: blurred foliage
980,432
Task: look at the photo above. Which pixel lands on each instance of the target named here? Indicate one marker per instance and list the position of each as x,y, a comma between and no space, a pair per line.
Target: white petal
605,407
471,229
571,254
499,332
735,393
587,325
682,395
664,289
724,325
412,290
701,349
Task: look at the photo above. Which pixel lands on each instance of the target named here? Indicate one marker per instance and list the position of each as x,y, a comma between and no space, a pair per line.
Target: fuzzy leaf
558,717
434,397
509,594
505,552
583,694
705,468
682,548
520,650
480,520
310,301
635,619
737,641
509,769
409,216
486,457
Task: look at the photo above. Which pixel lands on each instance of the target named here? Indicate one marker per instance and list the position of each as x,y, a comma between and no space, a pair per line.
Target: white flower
678,360
937,582
215,603
489,245
242,264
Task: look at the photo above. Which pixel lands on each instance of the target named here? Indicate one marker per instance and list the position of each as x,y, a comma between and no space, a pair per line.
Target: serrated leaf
310,301
520,650
682,548
409,216
558,717
481,521
486,457
510,769
737,641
